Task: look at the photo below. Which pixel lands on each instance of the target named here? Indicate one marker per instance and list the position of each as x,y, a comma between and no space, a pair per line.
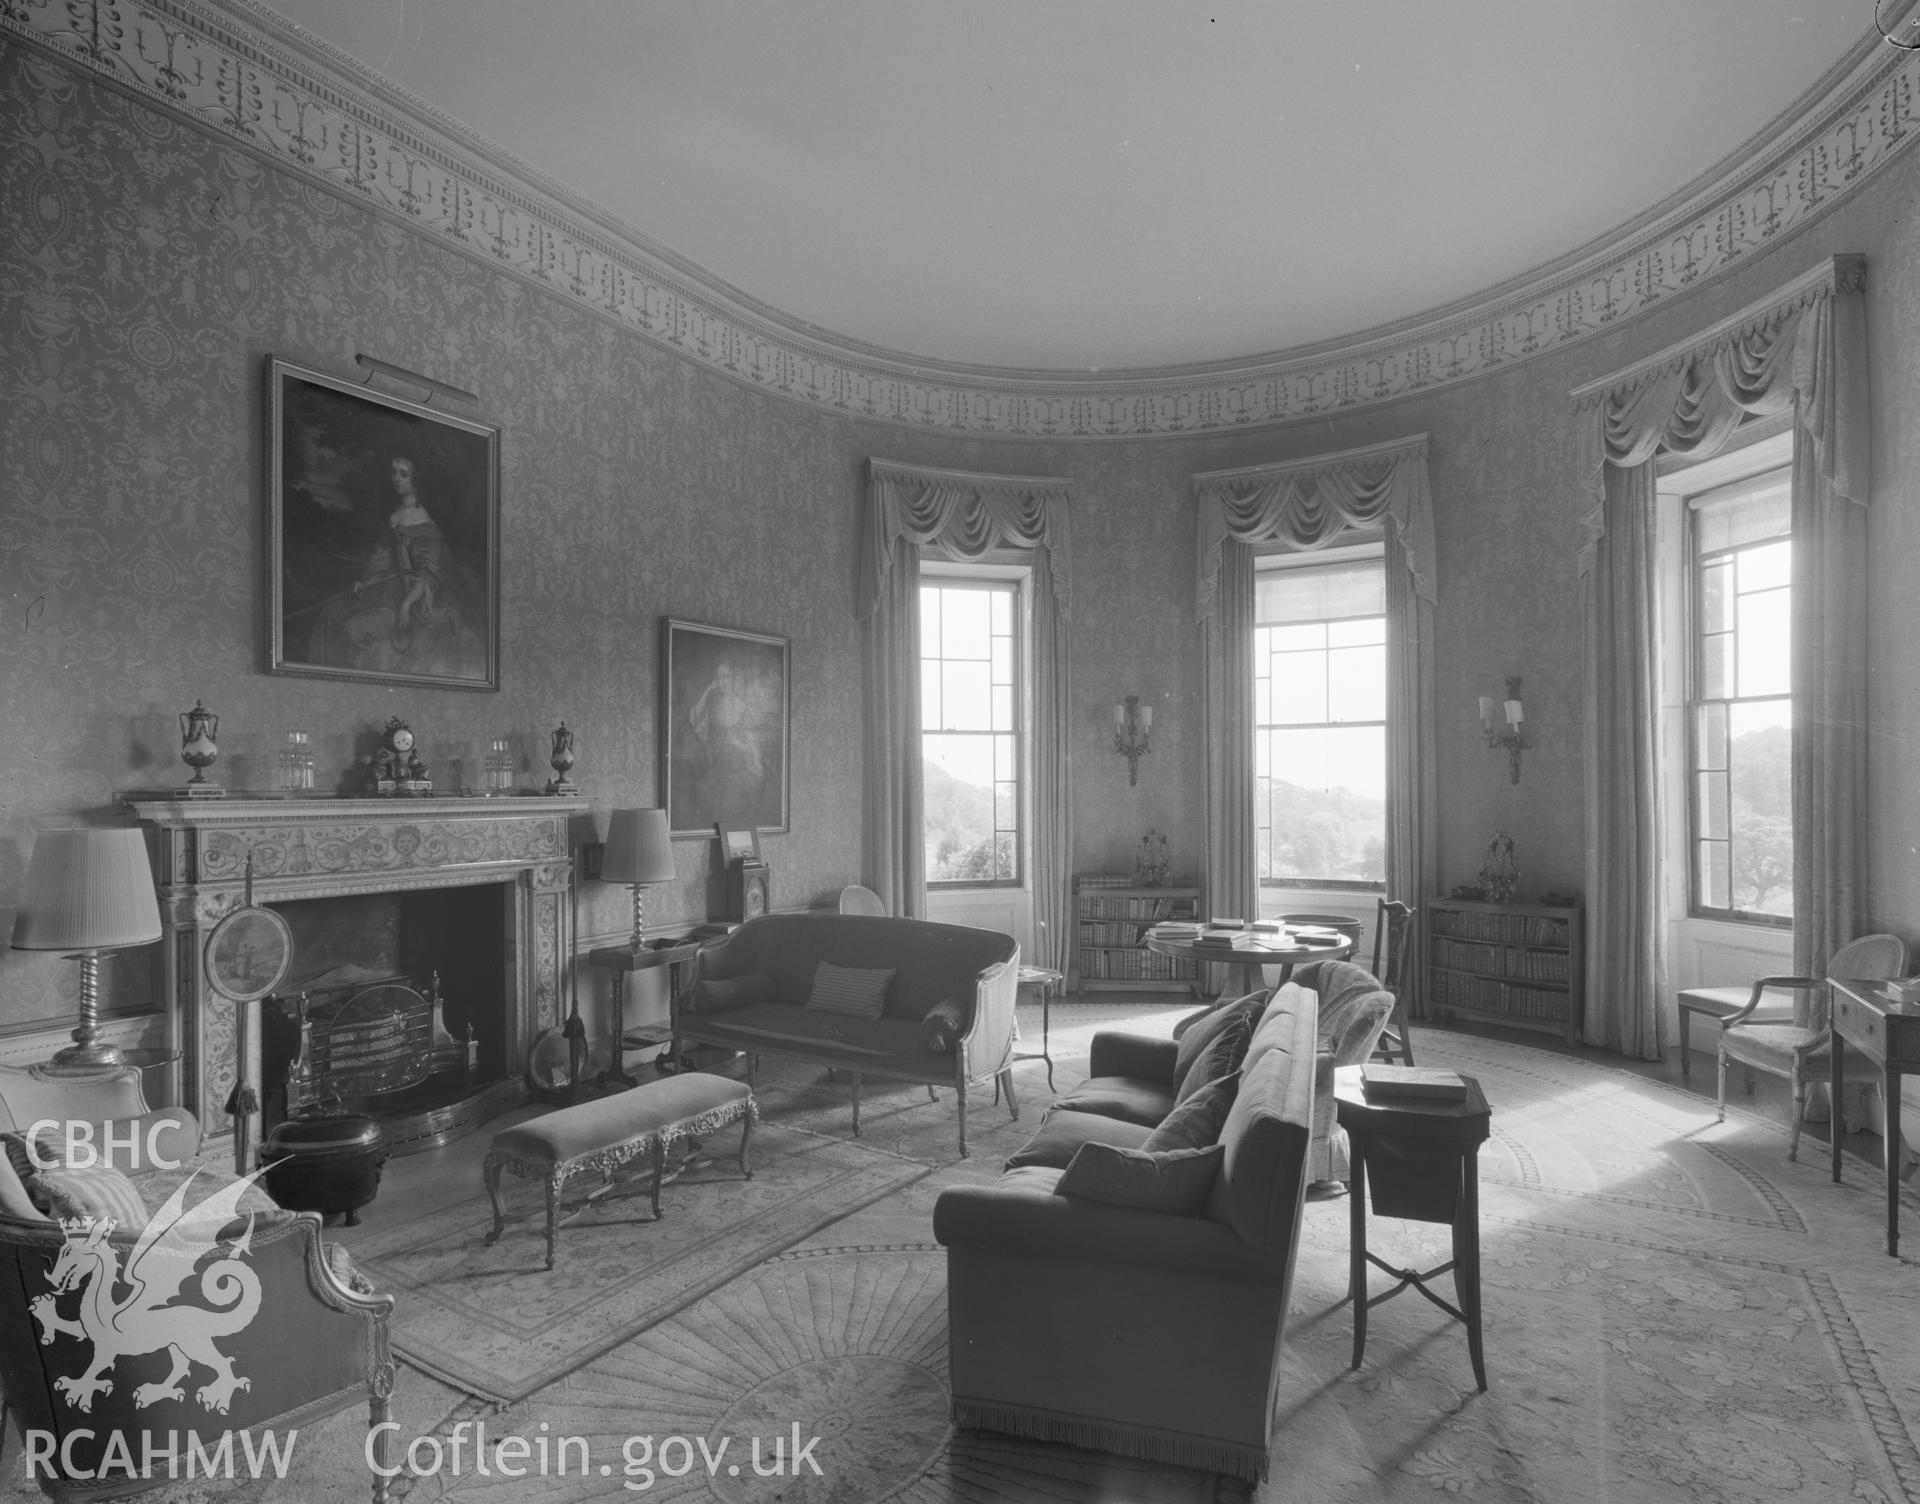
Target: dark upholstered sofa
309,1304
1093,1320
945,1018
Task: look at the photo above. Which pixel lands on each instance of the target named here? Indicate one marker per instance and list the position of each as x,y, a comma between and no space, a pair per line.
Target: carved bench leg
659,1170
554,1181
746,1140
1013,1104
856,1105
960,1097
490,1169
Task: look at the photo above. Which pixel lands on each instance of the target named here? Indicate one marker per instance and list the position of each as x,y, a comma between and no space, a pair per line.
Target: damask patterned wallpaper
148,269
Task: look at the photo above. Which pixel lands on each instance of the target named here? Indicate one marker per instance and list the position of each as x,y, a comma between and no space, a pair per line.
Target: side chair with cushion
1393,947
1797,1049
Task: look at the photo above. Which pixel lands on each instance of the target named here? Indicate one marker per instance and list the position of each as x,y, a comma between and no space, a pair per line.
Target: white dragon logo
144,1319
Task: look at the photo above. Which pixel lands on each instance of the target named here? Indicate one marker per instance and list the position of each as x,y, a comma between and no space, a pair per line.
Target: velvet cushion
1174,1181
1065,1131
98,1192
1196,1122
857,991
1195,1032
1222,1056
941,1029
1122,1097
723,994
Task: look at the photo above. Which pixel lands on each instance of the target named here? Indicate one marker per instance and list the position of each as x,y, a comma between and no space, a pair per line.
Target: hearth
468,899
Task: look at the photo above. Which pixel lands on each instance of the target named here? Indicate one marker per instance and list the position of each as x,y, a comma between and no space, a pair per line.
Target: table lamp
638,852
88,890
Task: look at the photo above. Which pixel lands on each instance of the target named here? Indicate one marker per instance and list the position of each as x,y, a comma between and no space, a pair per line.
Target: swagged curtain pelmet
1801,351
961,516
1305,504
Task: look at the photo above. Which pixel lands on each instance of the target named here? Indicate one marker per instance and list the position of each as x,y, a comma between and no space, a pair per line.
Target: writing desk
1877,1020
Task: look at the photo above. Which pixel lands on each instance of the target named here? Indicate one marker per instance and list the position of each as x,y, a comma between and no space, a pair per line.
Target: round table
1285,949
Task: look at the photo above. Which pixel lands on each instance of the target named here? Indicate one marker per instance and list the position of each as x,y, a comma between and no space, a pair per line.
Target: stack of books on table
1176,929
1410,1083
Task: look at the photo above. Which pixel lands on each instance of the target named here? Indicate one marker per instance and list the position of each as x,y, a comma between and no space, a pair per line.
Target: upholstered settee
219,1358
898,999
1139,1309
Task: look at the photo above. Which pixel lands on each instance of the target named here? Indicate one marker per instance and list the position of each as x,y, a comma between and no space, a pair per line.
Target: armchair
1797,1048
98,1387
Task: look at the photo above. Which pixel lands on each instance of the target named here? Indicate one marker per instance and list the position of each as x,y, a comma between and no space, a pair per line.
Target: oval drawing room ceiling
1104,185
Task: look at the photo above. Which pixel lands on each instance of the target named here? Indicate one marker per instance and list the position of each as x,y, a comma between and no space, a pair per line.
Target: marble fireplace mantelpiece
327,847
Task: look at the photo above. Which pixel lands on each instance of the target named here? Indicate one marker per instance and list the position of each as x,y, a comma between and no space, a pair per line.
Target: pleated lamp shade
87,890
638,850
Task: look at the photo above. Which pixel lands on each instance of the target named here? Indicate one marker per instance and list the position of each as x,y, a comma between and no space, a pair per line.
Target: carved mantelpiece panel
320,848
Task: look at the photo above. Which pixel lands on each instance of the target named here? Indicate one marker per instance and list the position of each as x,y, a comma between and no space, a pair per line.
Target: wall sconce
1132,730
1509,736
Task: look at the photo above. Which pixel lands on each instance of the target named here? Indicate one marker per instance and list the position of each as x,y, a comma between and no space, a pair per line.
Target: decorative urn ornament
562,762
1499,875
198,728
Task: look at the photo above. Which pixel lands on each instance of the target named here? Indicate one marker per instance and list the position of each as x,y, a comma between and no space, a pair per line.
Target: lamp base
93,1058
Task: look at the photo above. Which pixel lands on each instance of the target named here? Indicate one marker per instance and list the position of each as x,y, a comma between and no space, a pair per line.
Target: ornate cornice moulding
240,71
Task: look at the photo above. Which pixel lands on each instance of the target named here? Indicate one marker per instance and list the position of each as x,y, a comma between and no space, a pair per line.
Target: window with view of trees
970,699
1739,704
1320,723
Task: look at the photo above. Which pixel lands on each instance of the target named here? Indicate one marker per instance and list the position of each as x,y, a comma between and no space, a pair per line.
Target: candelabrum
1132,729
1509,735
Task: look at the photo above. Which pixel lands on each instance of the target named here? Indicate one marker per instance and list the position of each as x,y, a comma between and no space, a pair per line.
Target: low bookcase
1111,918
1508,963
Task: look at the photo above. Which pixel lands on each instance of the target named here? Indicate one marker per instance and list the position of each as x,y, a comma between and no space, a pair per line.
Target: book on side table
1413,1081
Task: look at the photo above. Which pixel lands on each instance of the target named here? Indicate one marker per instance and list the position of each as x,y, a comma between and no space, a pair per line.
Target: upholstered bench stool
605,1134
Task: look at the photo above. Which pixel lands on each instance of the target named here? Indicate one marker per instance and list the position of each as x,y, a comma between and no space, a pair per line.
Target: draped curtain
1803,351
1307,504
961,516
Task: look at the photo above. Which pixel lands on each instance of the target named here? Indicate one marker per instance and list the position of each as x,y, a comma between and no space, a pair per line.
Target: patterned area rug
494,1321
1674,1312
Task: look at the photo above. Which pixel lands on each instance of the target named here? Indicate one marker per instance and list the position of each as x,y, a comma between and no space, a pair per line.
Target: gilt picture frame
383,536
725,716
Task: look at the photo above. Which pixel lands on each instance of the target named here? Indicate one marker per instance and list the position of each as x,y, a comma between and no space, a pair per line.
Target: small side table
1046,979
621,959
1423,1159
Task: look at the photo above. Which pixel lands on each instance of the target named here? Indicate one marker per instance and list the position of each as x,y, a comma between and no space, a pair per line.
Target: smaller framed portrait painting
724,730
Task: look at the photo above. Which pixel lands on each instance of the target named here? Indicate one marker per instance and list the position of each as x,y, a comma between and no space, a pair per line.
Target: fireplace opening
396,1006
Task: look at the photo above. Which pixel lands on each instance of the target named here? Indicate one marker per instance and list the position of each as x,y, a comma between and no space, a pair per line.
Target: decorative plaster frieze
238,70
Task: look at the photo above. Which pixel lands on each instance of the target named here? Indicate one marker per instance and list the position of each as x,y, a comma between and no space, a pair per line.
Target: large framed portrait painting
724,718
383,529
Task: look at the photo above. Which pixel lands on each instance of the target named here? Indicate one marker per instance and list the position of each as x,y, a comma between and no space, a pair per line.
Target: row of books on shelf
1133,966
1500,929
1456,989
1500,960
1105,880
1129,908
1126,932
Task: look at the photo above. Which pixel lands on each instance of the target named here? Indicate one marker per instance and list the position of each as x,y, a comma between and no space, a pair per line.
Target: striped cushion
856,991
102,1193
